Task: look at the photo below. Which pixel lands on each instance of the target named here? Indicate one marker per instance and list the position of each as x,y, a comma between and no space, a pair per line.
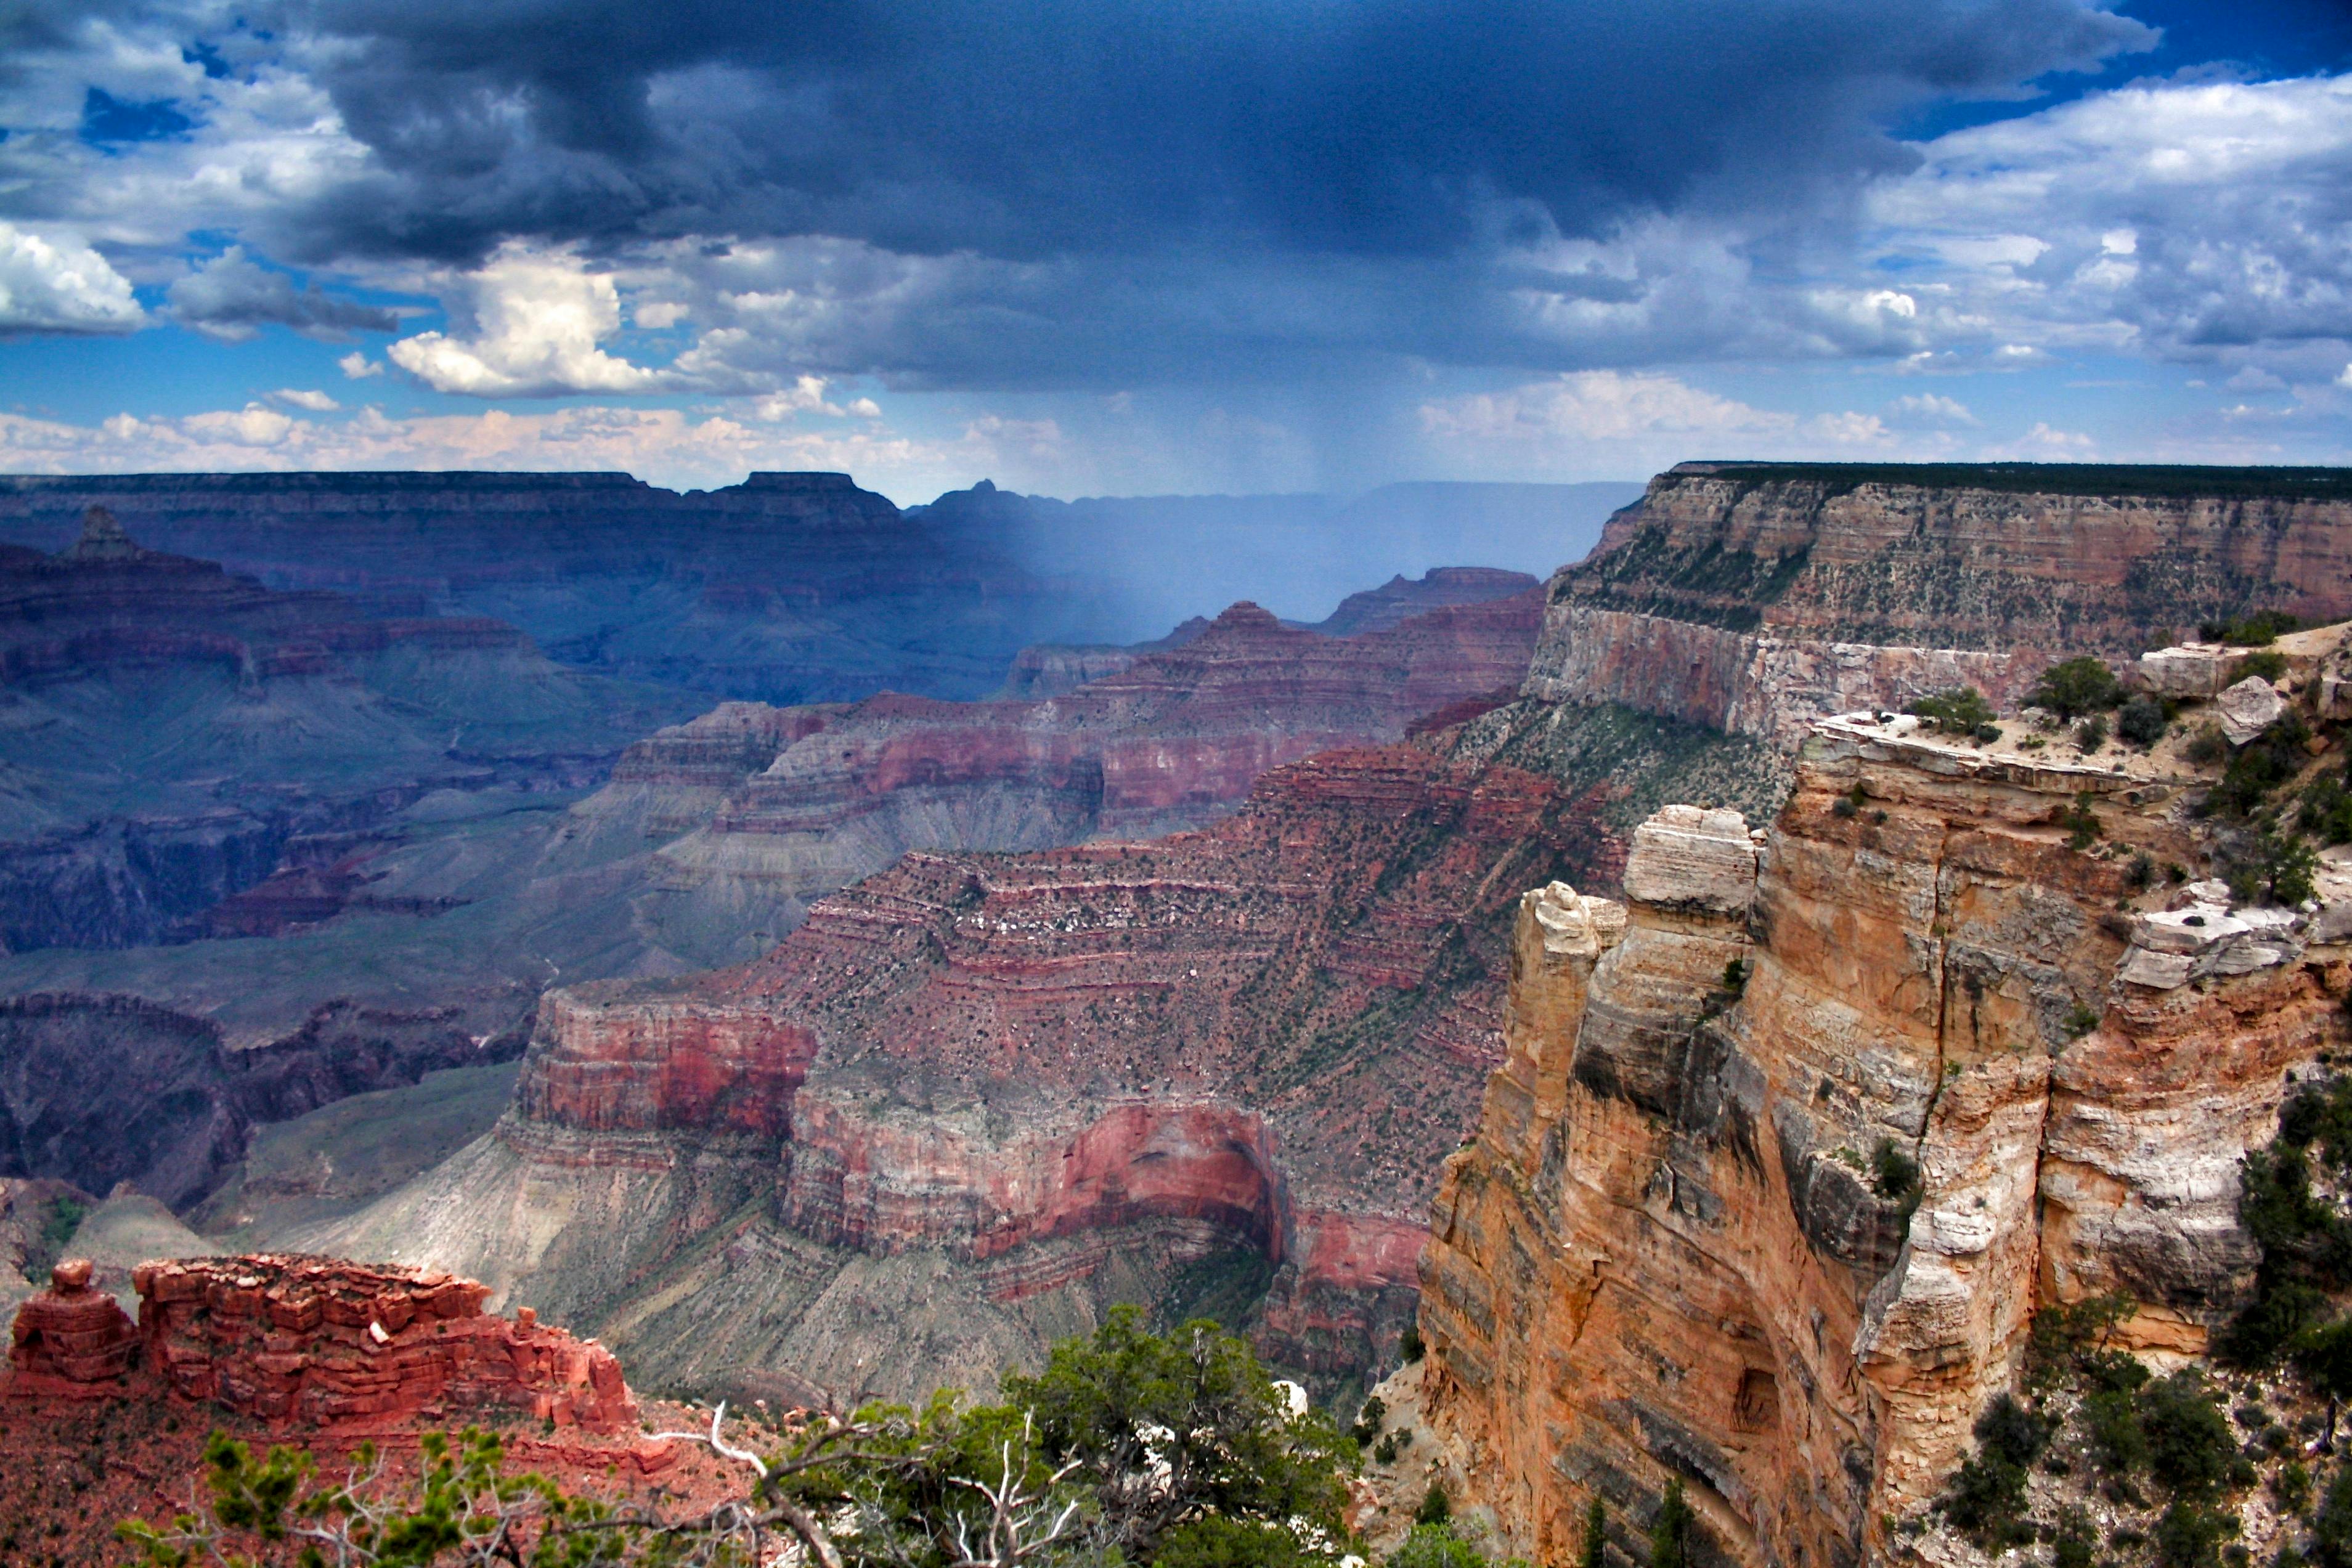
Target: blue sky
1112,247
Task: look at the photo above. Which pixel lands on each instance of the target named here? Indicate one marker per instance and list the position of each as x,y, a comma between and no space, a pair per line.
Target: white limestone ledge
1694,860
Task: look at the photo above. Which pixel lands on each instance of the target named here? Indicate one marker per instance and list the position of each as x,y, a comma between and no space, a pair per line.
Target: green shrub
2143,721
2091,733
2331,1530
1895,1176
1435,1508
2082,824
2190,1533
2292,1486
1594,1549
1215,1541
2208,746
2269,665
1410,1346
1958,711
2190,1443
2281,871
2262,764
1986,1500
2257,629
2075,687
2074,1543
2326,811
1436,1546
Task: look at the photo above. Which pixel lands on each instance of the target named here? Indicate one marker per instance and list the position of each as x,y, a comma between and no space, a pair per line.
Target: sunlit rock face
1780,1229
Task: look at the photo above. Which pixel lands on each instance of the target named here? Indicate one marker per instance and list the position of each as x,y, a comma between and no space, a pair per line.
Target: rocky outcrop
977,1097
1780,1165
338,1346
1756,596
70,1342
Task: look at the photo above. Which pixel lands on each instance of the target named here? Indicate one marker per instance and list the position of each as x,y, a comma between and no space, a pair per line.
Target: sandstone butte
975,1097
1664,1254
102,1420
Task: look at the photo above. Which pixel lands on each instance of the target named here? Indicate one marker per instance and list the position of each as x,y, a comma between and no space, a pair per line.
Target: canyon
1182,974
904,1146
801,587
916,1127
758,810
172,731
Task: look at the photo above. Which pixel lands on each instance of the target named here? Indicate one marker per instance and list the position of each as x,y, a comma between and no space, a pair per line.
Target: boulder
2197,670
2248,708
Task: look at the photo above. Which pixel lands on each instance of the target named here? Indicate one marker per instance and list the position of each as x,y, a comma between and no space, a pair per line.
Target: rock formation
97,1090
70,1342
173,731
339,1345
787,588
977,1096
1756,596
1791,1144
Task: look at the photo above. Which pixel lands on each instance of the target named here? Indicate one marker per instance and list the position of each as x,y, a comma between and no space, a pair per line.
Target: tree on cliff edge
1128,1447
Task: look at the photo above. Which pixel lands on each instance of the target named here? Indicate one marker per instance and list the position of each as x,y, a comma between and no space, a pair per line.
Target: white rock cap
1689,858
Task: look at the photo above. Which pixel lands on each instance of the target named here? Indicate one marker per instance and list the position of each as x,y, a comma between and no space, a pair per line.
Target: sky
1118,247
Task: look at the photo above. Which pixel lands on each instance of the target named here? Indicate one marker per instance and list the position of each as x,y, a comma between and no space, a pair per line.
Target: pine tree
1670,1532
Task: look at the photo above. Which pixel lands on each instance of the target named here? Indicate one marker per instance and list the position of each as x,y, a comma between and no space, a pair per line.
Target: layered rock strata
338,1345
1780,1229
97,1090
767,809
176,732
1756,596
981,1095
70,1342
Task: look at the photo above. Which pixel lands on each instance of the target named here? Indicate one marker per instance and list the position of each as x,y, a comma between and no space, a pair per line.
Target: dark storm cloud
1026,129
233,297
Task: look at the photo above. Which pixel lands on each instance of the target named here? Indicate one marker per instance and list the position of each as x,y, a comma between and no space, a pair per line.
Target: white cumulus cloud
534,321
60,286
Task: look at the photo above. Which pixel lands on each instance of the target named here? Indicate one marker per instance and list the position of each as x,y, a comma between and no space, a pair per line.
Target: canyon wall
1755,596
765,809
786,587
97,1090
176,732
977,1097
1780,1231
